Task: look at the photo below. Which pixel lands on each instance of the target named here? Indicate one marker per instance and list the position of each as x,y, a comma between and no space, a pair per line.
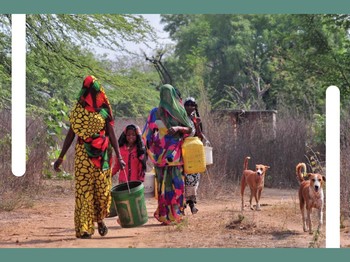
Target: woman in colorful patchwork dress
163,137
92,121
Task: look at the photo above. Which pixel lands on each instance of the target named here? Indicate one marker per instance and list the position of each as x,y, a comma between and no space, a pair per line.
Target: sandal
85,235
194,210
102,229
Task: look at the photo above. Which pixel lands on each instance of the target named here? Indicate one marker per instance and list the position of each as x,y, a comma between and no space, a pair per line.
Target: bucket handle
127,181
207,143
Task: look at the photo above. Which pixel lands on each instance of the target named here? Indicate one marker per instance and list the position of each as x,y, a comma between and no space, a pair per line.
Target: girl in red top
133,152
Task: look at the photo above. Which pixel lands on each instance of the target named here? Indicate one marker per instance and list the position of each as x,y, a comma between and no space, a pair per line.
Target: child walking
133,152
192,180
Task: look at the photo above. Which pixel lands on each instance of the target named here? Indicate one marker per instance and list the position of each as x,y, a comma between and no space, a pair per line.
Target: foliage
318,129
227,61
57,38
62,51
5,62
282,62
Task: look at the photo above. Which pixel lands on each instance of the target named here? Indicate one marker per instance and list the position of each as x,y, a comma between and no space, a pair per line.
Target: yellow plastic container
193,155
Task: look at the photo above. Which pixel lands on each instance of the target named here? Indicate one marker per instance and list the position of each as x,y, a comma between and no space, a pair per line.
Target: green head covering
170,109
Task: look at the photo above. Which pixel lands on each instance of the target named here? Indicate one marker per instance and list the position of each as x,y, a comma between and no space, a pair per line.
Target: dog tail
245,165
300,175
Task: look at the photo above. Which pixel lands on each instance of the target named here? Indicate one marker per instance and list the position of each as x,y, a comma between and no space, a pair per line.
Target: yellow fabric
92,192
85,123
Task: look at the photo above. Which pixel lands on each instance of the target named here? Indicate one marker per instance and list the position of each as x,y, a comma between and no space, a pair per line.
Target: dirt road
49,223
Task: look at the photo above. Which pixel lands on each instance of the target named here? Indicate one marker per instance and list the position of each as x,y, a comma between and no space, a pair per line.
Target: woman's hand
56,165
181,129
173,130
121,163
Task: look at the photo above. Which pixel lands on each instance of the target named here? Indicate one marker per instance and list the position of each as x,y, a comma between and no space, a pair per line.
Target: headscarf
164,149
170,109
141,149
88,120
93,98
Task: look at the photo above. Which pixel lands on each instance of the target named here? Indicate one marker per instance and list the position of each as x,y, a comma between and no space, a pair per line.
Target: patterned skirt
170,186
92,192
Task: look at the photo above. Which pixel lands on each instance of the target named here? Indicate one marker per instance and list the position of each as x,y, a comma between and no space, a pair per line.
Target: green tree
282,62
61,51
5,61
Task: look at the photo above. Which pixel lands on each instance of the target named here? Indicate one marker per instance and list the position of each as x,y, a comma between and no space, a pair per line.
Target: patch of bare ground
345,232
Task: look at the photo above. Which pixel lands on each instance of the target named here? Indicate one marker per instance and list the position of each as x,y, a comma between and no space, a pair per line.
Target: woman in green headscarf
91,120
163,137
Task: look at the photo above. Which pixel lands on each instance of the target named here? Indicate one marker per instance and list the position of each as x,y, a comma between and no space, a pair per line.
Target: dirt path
49,223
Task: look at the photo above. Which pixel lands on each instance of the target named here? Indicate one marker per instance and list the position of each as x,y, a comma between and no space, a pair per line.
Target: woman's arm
116,166
115,145
180,129
67,143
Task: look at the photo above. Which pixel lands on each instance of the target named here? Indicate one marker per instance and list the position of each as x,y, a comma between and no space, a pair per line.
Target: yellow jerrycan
193,155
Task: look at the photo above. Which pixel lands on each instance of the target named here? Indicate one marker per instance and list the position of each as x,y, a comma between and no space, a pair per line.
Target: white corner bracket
18,87
333,167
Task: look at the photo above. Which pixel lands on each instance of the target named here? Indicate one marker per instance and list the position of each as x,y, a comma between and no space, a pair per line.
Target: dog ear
324,178
267,167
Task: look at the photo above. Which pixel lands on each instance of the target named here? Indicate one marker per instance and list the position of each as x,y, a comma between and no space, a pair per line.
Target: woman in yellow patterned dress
92,121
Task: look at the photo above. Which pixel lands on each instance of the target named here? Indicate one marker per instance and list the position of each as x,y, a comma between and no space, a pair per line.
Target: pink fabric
133,169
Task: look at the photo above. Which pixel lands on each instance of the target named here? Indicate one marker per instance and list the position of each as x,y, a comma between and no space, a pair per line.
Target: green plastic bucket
131,206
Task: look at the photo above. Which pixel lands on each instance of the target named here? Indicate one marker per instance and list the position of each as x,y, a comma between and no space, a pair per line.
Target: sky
163,38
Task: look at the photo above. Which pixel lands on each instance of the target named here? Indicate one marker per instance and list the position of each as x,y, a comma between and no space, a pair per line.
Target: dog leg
257,208
252,192
320,218
303,218
309,220
257,199
242,205
243,185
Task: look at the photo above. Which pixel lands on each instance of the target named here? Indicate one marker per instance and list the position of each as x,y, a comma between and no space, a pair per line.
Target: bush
281,151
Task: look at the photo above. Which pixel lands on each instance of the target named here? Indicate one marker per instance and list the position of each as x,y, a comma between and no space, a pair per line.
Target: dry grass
345,164
281,153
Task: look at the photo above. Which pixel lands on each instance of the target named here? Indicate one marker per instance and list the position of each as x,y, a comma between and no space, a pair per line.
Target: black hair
141,149
190,100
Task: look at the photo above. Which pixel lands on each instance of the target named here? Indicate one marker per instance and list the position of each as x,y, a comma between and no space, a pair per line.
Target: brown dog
310,196
255,181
